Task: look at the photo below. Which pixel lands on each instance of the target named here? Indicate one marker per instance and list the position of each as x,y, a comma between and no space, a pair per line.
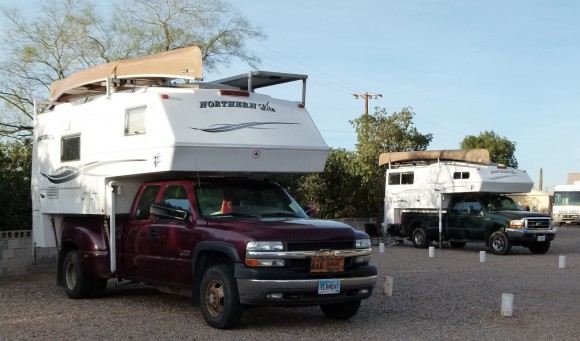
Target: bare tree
70,35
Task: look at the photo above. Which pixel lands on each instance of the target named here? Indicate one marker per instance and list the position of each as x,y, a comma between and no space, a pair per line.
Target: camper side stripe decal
68,173
225,127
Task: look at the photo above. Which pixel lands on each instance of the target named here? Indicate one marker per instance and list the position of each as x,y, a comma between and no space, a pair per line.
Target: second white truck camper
458,196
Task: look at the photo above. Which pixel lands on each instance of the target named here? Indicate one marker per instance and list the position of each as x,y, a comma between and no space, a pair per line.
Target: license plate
541,238
327,264
328,286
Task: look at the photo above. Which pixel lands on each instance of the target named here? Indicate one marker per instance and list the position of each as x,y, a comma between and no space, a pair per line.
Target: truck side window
471,206
175,196
145,201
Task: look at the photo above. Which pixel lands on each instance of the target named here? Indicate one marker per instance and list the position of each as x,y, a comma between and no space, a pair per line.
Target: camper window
401,178
461,175
70,148
135,121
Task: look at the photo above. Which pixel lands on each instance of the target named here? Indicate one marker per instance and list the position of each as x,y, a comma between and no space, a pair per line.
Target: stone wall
17,256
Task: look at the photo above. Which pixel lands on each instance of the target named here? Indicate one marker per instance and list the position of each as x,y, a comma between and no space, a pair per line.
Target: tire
340,311
77,284
499,243
540,248
219,300
457,245
419,238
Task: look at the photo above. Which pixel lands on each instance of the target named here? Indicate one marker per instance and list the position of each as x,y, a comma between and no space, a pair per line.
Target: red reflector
164,96
234,93
301,105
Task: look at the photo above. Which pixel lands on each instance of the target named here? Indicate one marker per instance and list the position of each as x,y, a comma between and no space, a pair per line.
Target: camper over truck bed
138,175
458,196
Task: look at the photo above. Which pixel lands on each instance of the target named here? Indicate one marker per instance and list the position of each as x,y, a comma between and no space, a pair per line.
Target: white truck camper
566,206
418,180
458,196
109,127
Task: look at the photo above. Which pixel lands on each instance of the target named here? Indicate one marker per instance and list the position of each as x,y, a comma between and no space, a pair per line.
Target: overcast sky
463,66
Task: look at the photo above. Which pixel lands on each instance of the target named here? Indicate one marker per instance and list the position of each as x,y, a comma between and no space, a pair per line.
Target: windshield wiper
280,214
232,215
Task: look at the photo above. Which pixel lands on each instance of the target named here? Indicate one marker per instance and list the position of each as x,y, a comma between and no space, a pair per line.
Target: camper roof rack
260,79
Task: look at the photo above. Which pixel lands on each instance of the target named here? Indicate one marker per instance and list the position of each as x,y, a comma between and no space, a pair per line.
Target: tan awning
469,155
183,63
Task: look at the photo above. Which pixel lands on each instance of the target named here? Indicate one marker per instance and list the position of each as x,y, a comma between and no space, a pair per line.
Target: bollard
507,304
562,263
381,247
388,286
431,251
482,256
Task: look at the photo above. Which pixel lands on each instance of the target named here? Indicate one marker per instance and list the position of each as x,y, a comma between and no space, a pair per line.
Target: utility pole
366,97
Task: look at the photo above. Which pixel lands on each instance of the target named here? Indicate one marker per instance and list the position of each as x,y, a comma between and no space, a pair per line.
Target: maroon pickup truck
226,243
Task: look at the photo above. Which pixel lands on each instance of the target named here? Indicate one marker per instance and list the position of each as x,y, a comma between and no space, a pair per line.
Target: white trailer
115,125
566,206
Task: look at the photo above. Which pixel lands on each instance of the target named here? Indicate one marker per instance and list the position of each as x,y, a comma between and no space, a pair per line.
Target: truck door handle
153,233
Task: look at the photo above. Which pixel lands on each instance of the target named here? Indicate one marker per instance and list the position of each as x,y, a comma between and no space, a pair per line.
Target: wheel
540,248
219,301
340,311
419,238
77,284
499,243
457,245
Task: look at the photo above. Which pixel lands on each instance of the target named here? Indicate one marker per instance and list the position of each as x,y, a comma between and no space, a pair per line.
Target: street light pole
366,97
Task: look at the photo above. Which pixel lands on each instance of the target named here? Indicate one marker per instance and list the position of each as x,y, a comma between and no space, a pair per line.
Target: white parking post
562,262
482,256
507,304
431,251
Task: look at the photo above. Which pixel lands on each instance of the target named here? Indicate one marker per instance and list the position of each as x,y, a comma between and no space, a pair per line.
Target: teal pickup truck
494,219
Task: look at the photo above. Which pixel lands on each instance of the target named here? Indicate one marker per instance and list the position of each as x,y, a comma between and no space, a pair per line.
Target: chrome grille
303,265
320,245
538,223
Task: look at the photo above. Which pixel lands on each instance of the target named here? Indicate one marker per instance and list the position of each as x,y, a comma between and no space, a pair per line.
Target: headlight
265,246
362,243
517,224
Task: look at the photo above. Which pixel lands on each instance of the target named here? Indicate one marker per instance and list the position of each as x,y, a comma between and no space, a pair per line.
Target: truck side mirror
162,211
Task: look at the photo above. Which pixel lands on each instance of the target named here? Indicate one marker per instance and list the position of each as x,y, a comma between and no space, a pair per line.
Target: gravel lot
449,297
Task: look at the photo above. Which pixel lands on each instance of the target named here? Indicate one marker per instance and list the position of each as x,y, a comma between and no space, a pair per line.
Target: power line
366,97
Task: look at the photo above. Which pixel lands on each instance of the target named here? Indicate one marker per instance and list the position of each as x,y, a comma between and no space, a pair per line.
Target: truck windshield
501,203
245,199
567,198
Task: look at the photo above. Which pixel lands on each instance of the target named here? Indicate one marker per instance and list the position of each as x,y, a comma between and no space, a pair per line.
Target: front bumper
529,236
256,284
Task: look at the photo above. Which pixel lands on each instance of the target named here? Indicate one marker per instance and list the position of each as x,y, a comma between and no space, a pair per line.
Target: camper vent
52,192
